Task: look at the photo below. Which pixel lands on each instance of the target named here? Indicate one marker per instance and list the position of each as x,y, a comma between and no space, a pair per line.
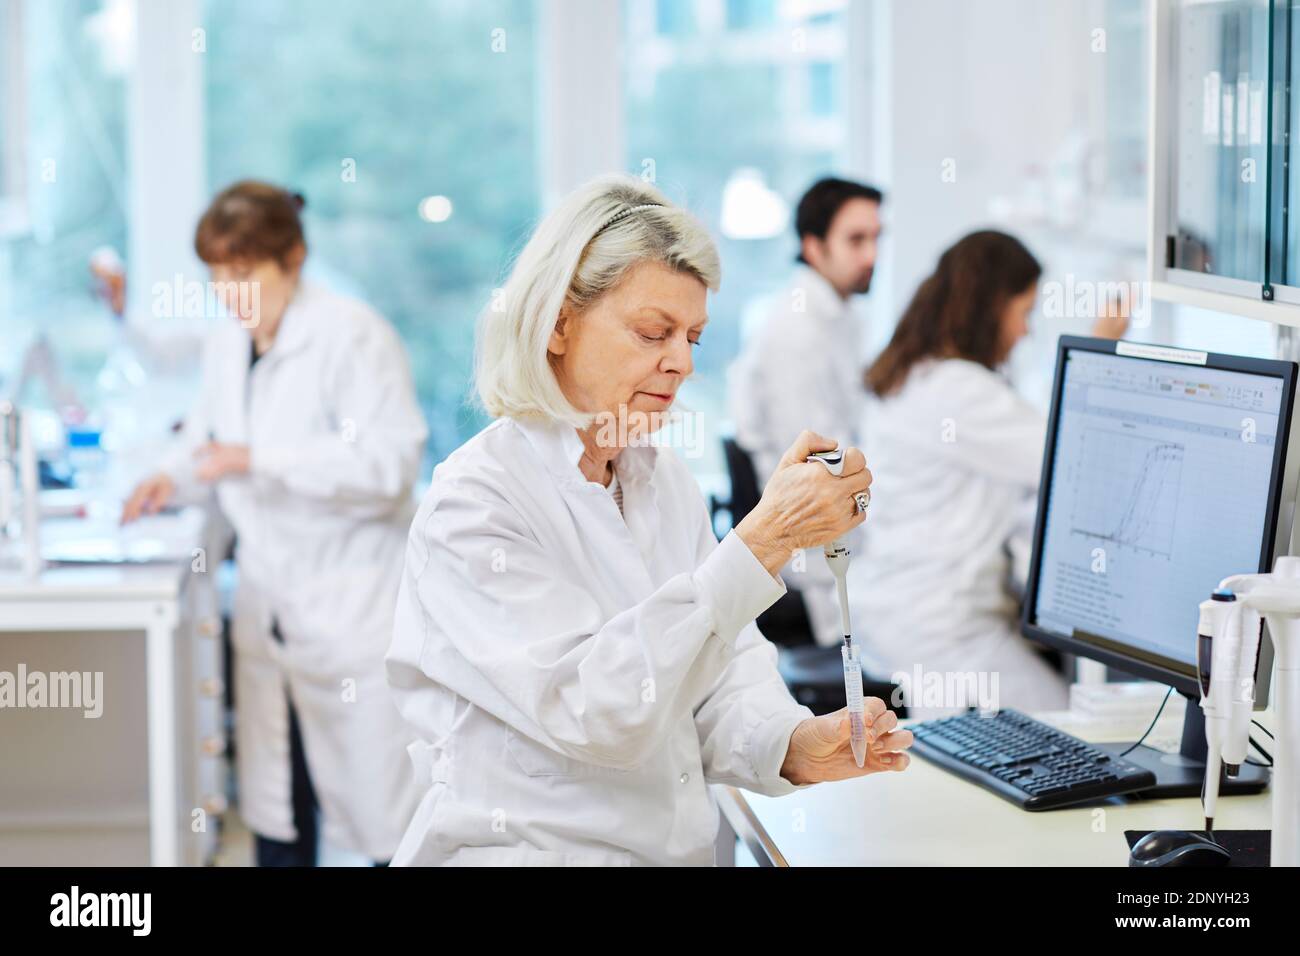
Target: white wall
998,90
581,108
167,189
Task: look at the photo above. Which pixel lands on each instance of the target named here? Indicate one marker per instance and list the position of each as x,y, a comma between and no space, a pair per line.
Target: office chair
814,674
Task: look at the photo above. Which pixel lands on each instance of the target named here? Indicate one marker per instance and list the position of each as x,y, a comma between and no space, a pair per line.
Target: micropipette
837,557
1214,649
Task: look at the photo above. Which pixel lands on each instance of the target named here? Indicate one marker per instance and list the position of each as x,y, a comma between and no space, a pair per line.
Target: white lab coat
802,369
578,679
955,456
335,436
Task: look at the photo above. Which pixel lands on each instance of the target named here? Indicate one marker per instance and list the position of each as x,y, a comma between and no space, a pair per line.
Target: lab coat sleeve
1020,542
503,630
987,427
745,722
178,460
372,454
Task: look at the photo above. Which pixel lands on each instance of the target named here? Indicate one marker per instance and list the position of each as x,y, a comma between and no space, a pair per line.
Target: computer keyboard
1035,766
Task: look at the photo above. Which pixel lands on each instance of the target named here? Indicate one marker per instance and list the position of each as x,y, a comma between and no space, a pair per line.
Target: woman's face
630,351
1015,321
255,293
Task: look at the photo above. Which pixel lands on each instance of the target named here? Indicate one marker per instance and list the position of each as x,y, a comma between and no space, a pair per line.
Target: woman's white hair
577,254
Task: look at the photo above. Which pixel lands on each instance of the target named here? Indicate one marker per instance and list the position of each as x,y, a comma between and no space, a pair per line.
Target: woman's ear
559,342
295,258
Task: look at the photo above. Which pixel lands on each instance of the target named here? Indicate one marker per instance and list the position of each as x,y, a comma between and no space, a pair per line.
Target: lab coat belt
431,762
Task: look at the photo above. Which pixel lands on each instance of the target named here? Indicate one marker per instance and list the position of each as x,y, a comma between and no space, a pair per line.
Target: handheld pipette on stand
1227,656
837,557
1277,597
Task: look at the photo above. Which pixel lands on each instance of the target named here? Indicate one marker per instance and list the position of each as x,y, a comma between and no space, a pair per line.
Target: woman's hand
820,747
217,461
804,505
148,498
1113,322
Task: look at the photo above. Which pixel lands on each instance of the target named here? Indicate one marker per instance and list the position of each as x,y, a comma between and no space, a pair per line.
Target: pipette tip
859,752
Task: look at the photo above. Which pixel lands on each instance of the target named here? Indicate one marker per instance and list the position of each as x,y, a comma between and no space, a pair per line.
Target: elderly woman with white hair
575,649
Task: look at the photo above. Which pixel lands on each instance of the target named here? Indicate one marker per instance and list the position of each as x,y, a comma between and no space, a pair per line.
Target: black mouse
1177,848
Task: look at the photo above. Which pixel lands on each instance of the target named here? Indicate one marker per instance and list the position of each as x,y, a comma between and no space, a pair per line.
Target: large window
410,130
13,121
1225,118
1220,127
734,109
63,193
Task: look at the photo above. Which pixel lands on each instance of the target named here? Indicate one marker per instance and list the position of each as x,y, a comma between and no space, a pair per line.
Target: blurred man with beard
803,367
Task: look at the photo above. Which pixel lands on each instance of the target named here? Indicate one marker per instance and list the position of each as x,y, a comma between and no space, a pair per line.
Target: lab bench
144,782
926,816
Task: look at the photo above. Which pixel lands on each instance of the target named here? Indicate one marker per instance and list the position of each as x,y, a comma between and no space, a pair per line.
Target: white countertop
170,539
927,816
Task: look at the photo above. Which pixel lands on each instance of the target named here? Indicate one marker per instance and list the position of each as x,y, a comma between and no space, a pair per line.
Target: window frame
1247,298
15,212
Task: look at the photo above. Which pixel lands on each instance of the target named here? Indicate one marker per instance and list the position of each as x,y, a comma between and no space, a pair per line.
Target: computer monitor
1165,470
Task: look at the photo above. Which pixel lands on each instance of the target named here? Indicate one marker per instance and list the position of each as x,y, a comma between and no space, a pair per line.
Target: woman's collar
561,449
295,327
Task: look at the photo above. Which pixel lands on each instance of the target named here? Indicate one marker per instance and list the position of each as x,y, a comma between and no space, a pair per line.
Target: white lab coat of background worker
956,453
575,648
801,368
313,452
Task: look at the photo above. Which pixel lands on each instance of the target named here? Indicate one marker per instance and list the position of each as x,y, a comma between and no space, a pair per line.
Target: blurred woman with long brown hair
956,454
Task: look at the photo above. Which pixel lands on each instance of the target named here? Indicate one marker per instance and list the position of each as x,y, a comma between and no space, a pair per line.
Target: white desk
173,607
927,816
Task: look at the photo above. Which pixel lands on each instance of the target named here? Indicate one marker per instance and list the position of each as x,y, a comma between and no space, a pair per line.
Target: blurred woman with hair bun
307,432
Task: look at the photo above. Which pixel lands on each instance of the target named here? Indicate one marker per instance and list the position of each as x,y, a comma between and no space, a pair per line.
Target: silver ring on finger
863,499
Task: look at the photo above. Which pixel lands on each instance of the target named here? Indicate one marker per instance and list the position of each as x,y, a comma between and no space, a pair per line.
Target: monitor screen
1160,477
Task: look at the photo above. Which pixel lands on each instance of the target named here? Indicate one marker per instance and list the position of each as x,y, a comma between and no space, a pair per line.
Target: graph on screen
1127,488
